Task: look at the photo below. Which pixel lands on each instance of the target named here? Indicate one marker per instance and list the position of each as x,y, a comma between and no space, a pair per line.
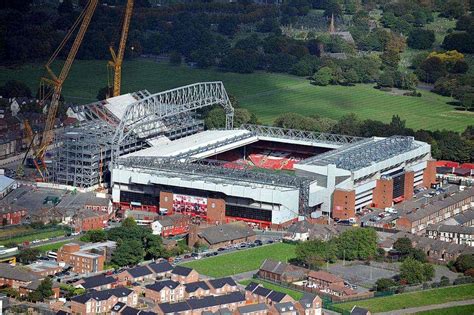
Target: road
55,240
427,308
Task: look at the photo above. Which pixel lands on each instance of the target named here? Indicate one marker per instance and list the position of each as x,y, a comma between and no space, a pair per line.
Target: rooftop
5,182
226,232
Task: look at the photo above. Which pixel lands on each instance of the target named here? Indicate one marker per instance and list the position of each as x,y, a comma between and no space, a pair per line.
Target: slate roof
97,281
464,217
325,276
102,295
262,291
196,304
221,282
160,266
359,311
252,308
273,266
139,271
451,228
194,286
307,300
159,285
276,296
170,308
226,232
251,286
284,307
16,273
182,271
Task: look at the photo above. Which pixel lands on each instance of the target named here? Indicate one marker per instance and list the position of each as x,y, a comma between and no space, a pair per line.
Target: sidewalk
427,308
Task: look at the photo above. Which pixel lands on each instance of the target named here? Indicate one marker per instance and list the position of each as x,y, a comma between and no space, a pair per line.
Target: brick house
221,235
87,220
451,233
12,216
323,279
161,268
99,282
281,272
171,225
222,285
253,309
21,280
196,289
165,291
256,293
136,274
184,275
102,301
206,304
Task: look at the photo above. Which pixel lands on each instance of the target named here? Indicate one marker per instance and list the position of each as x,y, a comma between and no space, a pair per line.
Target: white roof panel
185,144
5,182
118,104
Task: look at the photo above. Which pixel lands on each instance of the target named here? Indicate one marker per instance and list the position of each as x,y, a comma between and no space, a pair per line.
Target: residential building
253,309
12,216
165,291
465,219
123,309
221,235
87,258
161,268
21,280
310,304
196,306
256,293
323,279
171,225
360,311
416,216
197,289
87,220
279,271
142,217
99,282
451,233
102,302
222,285
136,274
184,275
285,308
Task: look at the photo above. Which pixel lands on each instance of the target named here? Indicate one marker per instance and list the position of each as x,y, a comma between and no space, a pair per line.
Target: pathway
427,308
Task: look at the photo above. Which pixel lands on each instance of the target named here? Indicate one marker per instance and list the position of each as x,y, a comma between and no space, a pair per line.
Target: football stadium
161,159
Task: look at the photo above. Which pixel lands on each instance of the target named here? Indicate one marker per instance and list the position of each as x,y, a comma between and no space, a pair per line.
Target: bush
421,39
384,284
464,262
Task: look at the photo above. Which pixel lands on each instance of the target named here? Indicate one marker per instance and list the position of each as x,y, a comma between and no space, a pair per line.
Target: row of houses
457,234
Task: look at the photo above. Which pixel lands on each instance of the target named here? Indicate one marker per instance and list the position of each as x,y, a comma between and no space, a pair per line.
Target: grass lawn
13,231
414,299
32,237
455,310
271,286
268,95
51,247
241,261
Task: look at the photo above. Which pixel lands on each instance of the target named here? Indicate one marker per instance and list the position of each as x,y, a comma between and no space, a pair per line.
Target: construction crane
115,65
51,86
30,138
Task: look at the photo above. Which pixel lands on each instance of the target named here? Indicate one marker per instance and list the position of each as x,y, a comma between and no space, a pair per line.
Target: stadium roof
364,153
118,104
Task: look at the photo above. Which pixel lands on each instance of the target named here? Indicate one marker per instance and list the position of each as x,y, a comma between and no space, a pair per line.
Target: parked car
221,249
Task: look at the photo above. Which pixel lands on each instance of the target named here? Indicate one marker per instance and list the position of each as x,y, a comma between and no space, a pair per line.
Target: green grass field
268,95
242,261
271,286
37,236
455,310
51,247
414,299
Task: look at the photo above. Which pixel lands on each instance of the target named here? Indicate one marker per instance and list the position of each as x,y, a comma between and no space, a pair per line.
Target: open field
13,231
241,261
51,247
31,237
455,310
268,95
414,299
271,286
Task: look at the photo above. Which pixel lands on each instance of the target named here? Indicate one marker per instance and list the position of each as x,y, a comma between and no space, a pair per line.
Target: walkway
427,308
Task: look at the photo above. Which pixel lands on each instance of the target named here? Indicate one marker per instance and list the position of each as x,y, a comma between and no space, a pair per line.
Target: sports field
265,94
31,237
414,299
455,310
241,261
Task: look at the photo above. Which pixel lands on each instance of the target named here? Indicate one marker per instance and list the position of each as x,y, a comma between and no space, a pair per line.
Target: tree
414,272
155,247
403,245
43,291
28,255
129,252
215,119
421,39
323,76
13,88
175,58
129,223
65,7
453,9
315,253
94,236
383,284
464,262
103,93
357,244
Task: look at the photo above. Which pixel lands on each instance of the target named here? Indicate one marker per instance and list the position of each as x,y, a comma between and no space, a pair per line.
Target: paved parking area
359,274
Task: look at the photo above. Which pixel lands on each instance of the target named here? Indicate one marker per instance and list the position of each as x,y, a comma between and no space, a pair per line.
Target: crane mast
51,86
117,58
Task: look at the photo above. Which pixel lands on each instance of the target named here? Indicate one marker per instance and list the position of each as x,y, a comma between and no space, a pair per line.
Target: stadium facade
160,159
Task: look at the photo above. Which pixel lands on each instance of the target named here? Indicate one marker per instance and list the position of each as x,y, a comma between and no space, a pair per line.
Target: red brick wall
93,223
343,204
429,174
383,193
166,201
409,181
403,224
215,210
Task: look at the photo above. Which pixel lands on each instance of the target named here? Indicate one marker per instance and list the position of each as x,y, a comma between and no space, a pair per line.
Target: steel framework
294,134
364,153
216,172
143,115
